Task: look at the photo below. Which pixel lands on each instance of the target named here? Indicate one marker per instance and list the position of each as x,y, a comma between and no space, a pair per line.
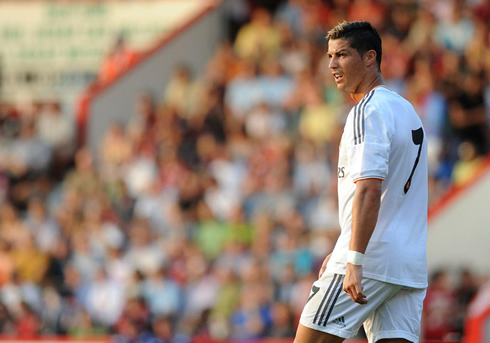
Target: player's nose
333,63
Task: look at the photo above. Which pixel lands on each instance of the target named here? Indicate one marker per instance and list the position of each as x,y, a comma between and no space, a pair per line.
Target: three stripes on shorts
329,299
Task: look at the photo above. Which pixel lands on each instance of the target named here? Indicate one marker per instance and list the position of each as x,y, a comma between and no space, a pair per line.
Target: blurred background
168,167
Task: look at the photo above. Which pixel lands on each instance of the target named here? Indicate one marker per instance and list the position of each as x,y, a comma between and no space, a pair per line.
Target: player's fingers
362,301
355,292
350,291
359,294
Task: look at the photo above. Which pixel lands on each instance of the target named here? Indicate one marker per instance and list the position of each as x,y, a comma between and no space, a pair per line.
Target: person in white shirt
376,275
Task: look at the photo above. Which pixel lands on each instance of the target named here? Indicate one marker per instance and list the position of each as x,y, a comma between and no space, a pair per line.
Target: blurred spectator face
9,215
473,84
144,105
182,74
36,209
206,147
281,315
466,151
162,328
261,17
27,129
116,130
72,277
139,234
451,62
401,19
457,13
271,67
83,160
203,212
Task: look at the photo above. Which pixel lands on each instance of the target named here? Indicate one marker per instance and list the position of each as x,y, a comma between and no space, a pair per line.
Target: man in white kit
377,272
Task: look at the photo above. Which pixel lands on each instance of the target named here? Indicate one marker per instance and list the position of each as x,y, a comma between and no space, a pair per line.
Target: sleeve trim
369,177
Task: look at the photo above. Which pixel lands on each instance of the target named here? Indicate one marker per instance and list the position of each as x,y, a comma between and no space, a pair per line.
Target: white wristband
355,257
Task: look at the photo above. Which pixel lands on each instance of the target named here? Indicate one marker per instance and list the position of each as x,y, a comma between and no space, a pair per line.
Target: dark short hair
361,36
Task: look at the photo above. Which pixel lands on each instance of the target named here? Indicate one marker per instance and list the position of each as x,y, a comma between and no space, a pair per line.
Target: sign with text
63,44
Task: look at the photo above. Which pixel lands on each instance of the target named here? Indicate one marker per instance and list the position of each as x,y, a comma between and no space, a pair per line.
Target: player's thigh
331,311
307,335
398,318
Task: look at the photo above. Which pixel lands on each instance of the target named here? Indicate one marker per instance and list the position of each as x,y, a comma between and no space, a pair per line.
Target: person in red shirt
119,59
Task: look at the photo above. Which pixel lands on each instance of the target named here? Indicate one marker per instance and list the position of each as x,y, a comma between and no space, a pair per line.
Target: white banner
54,43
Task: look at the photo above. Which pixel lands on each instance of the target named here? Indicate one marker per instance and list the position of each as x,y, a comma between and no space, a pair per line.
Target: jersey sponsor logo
339,321
341,172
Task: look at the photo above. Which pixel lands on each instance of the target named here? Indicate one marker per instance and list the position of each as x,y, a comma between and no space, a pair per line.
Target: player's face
346,65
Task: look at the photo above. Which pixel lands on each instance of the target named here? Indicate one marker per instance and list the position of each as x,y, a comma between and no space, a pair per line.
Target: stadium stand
205,214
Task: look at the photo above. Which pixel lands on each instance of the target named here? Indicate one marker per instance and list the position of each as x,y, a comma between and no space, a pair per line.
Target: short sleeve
368,151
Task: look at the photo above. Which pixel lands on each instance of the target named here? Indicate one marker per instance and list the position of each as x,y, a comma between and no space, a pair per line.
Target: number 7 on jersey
418,139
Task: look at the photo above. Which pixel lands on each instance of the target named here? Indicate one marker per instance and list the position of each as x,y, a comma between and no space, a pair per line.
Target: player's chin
341,87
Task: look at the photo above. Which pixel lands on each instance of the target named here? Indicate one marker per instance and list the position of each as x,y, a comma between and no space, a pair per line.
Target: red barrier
264,340
106,339
287,340
47,339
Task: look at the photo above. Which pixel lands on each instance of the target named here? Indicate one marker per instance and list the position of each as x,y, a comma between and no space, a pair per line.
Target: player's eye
329,56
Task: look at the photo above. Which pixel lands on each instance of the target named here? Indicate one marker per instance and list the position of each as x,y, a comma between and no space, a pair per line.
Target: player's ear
369,58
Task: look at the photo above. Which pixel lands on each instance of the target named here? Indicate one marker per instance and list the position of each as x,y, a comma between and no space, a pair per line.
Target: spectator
465,292
469,165
28,324
41,225
181,92
105,299
162,294
59,140
119,59
259,38
455,33
30,155
7,325
282,322
438,308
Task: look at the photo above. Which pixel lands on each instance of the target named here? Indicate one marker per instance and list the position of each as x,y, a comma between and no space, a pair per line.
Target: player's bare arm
365,210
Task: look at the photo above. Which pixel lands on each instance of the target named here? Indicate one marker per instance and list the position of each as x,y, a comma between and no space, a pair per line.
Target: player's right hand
324,265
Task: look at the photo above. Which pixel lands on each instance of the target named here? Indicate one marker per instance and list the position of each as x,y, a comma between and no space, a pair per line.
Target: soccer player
377,272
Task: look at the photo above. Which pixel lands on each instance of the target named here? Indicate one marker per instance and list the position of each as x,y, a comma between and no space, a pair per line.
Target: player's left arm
367,200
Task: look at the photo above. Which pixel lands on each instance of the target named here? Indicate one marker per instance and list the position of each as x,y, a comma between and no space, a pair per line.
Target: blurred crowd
209,213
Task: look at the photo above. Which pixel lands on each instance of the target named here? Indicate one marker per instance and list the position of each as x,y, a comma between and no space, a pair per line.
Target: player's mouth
338,77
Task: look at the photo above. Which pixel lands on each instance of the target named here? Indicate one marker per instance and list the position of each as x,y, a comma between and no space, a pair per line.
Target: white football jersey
383,138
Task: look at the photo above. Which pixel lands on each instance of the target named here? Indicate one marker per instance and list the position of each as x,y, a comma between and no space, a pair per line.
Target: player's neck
366,87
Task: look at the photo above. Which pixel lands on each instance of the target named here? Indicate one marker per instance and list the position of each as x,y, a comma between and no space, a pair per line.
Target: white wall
194,46
459,236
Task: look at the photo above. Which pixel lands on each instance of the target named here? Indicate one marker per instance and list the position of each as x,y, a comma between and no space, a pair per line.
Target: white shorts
392,311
